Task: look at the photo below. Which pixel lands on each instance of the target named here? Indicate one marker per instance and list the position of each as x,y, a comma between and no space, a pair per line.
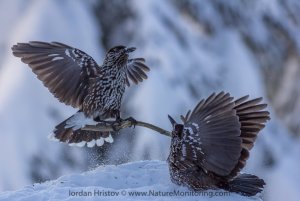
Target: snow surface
285,176
117,183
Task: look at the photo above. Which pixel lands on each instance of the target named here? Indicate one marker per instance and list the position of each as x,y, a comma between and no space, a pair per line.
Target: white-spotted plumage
212,145
77,80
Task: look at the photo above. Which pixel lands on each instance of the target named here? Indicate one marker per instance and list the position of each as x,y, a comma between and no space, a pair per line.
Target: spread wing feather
252,117
64,70
136,70
216,140
211,136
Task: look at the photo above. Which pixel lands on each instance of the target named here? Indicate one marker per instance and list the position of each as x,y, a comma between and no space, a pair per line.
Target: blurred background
194,48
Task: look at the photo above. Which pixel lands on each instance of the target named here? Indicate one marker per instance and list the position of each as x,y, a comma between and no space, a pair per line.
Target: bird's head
118,55
177,128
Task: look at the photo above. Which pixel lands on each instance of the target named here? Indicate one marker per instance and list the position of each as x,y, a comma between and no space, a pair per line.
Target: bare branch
116,126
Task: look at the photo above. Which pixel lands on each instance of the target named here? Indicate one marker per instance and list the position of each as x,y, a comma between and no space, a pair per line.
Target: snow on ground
144,180
285,177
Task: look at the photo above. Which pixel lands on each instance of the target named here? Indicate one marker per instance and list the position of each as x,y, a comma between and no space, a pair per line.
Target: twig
116,126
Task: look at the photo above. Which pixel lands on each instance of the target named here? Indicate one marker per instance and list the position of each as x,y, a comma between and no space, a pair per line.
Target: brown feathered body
212,145
76,79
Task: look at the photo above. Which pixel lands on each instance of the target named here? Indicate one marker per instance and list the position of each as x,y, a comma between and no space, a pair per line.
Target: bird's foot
119,120
132,120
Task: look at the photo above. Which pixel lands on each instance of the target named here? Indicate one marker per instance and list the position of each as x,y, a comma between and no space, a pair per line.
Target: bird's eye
179,127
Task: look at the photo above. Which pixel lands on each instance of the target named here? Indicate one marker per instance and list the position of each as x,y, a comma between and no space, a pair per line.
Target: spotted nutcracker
76,79
212,145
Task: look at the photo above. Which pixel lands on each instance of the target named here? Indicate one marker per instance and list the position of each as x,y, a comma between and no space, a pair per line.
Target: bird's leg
119,120
132,120
97,119
110,123
118,117
114,126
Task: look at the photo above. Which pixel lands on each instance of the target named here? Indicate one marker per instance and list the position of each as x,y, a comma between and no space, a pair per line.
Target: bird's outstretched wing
252,117
64,70
136,70
211,135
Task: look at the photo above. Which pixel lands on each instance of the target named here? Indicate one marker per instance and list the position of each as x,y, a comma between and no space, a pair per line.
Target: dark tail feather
245,184
79,137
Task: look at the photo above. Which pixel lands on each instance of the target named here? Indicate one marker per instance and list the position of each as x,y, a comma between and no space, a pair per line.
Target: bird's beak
173,122
130,49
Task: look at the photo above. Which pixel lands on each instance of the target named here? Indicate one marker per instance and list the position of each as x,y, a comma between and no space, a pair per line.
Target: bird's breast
105,93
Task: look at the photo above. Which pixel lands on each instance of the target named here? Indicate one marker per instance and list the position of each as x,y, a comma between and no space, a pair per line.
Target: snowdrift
144,180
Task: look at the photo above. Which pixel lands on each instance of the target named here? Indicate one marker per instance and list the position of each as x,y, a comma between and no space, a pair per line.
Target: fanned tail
244,184
70,133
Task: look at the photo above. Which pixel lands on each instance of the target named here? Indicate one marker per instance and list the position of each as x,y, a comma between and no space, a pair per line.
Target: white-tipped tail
95,142
109,139
69,132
